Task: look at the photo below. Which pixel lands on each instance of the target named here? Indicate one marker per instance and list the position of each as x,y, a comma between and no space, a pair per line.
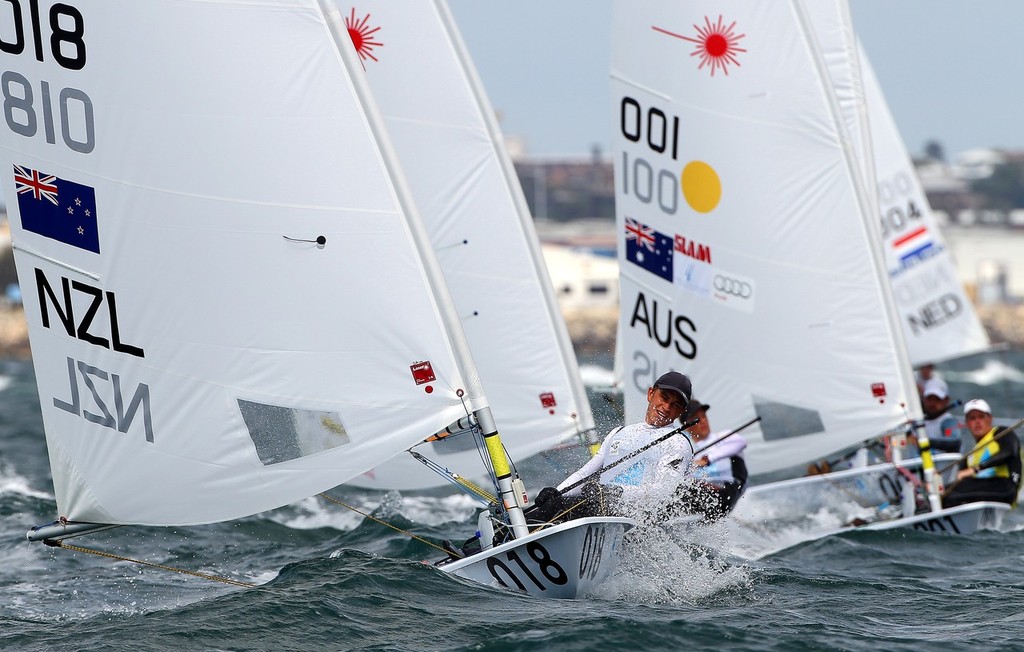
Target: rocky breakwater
1004,323
13,333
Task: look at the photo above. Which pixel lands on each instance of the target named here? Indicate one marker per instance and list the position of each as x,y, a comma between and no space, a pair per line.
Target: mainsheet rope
100,553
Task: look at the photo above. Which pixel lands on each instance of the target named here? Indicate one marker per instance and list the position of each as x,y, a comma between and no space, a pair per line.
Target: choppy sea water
330,579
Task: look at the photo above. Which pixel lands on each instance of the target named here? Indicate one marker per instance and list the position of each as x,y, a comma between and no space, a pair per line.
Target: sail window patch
782,421
283,433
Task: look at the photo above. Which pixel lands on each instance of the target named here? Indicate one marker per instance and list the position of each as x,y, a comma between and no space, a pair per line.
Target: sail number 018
548,567
66,28
27,107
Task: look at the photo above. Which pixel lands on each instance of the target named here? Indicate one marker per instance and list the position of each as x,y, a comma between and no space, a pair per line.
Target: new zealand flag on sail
649,249
57,208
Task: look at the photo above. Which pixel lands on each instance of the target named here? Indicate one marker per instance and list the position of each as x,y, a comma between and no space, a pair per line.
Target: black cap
692,408
674,381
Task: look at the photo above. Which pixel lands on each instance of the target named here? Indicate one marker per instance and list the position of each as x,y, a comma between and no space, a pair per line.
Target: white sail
199,355
938,318
748,258
465,187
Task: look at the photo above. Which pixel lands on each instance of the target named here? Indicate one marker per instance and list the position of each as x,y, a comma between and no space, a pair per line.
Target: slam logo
57,208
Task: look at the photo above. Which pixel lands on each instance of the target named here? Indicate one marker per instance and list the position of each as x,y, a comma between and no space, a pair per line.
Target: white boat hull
563,561
868,486
962,519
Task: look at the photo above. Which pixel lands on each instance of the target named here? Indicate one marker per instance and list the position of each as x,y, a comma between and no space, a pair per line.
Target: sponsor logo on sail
715,46
733,290
423,373
733,287
695,250
363,36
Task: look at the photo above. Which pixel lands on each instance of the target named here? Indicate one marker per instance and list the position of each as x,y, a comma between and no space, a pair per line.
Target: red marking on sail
362,35
547,399
422,372
908,237
695,250
716,44
878,390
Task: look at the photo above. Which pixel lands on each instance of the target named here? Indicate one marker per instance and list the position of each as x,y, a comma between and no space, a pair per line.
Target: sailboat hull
868,486
564,561
962,519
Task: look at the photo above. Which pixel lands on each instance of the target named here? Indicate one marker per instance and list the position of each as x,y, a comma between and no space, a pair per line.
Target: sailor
992,469
719,472
943,429
923,374
640,482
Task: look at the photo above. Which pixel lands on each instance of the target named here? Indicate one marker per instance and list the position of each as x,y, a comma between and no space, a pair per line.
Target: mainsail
232,304
452,153
749,249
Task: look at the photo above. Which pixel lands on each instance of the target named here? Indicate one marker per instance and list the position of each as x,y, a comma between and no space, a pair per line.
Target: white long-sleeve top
719,468
654,473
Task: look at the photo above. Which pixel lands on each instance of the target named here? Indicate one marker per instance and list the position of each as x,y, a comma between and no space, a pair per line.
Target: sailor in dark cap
652,475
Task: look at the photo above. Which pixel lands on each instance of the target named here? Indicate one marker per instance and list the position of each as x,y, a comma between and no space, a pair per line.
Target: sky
952,70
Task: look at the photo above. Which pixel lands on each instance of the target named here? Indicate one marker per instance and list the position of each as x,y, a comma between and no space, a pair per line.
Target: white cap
979,404
936,387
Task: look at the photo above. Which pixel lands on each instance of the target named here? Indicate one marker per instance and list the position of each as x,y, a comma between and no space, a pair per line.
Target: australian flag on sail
649,249
57,208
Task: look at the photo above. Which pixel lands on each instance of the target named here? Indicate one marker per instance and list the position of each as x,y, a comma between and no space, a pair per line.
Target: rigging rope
377,520
206,576
457,480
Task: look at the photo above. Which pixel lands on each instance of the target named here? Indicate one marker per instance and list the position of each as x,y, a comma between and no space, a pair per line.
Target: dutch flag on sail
57,208
649,249
913,247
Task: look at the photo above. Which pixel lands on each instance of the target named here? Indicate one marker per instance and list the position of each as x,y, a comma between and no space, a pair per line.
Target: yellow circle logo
701,186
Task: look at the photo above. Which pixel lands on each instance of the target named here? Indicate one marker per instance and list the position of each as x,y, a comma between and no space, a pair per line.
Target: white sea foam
13,483
661,565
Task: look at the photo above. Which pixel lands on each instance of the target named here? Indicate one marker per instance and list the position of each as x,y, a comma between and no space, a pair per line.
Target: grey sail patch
284,433
782,421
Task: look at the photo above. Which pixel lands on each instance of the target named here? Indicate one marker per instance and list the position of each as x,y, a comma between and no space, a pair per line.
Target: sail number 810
23,114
